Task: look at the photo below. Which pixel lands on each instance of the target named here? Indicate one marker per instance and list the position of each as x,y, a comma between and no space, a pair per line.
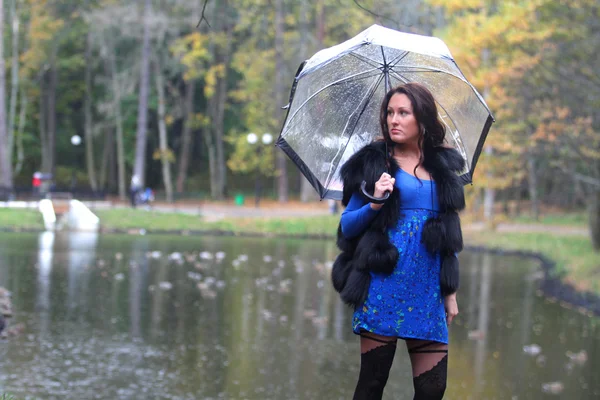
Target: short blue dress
407,303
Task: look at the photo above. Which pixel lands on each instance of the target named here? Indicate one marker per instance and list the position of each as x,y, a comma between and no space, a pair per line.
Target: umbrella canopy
336,98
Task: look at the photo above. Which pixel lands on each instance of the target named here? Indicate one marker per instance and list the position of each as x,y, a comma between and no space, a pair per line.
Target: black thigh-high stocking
376,358
429,362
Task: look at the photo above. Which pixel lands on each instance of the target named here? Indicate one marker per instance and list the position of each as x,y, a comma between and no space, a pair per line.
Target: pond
159,317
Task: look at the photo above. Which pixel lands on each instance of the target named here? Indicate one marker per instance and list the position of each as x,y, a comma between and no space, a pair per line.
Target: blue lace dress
407,303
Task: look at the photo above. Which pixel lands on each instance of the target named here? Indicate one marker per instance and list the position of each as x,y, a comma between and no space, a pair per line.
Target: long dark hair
432,131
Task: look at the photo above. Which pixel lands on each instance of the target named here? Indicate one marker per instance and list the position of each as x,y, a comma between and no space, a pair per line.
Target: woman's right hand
384,184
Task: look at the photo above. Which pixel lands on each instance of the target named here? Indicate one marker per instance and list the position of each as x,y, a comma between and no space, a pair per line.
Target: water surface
146,317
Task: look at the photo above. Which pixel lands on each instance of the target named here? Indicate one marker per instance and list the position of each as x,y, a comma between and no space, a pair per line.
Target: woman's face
401,122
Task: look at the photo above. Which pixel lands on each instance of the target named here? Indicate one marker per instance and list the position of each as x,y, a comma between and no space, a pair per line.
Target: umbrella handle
372,199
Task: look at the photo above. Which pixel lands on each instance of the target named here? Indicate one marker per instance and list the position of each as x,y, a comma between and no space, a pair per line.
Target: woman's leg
429,362
376,358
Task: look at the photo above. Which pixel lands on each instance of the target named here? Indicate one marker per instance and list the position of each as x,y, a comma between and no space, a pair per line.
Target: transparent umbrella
337,93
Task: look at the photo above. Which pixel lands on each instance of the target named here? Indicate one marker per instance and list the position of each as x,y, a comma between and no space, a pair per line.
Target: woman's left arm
451,307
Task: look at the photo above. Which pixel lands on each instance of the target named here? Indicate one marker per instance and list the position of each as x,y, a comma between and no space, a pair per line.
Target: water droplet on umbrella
155,254
578,358
532,349
194,275
553,387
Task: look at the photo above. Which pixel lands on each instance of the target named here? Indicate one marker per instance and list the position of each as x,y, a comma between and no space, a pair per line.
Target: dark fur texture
375,252
454,239
372,250
340,271
434,234
357,287
449,275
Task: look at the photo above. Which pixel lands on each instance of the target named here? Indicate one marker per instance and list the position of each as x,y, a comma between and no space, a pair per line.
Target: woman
398,265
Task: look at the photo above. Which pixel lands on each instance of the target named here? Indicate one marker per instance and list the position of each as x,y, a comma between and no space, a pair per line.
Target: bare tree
186,136
282,176
50,78
214,138
307,192
112,65
20,131
14,88
162,132
5,164
142,119
89,141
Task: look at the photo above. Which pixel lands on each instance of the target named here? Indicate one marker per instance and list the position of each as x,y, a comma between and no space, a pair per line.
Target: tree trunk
20,131
89,141
307,192
112,183
594,209
222,56
112,67
221,98
212,167
51,113
5,162
532,184
108,148
212,153
282,176
490,192
162,134
186,137
320,23
14,81
142,118
42,121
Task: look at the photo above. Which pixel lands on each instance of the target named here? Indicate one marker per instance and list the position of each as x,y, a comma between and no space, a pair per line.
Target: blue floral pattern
407,303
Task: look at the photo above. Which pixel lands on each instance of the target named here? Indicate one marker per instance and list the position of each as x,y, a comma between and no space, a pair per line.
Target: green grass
579,219
150,220
574,256
7,396
21,218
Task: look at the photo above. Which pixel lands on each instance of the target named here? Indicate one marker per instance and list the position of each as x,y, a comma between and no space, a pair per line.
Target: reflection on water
117,317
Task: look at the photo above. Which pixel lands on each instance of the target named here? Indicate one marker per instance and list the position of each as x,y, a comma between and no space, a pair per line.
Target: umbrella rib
347,78
421,68
366,101
367,60
400,58
461,78
404,79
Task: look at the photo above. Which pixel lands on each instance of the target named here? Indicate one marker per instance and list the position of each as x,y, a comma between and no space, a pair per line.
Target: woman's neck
407,152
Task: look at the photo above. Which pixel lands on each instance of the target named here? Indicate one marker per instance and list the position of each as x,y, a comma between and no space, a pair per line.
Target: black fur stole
372,250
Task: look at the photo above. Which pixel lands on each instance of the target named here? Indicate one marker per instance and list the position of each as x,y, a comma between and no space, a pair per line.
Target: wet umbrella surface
337,94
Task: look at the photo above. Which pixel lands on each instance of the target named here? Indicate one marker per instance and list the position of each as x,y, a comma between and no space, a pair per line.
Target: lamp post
252,139
75,141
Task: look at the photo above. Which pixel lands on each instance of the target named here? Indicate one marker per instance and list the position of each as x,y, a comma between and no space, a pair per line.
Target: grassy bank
150,220
127,219
11,218
573,255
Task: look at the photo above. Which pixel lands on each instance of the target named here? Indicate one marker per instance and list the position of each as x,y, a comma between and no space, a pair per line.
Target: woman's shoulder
373,152
450,157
